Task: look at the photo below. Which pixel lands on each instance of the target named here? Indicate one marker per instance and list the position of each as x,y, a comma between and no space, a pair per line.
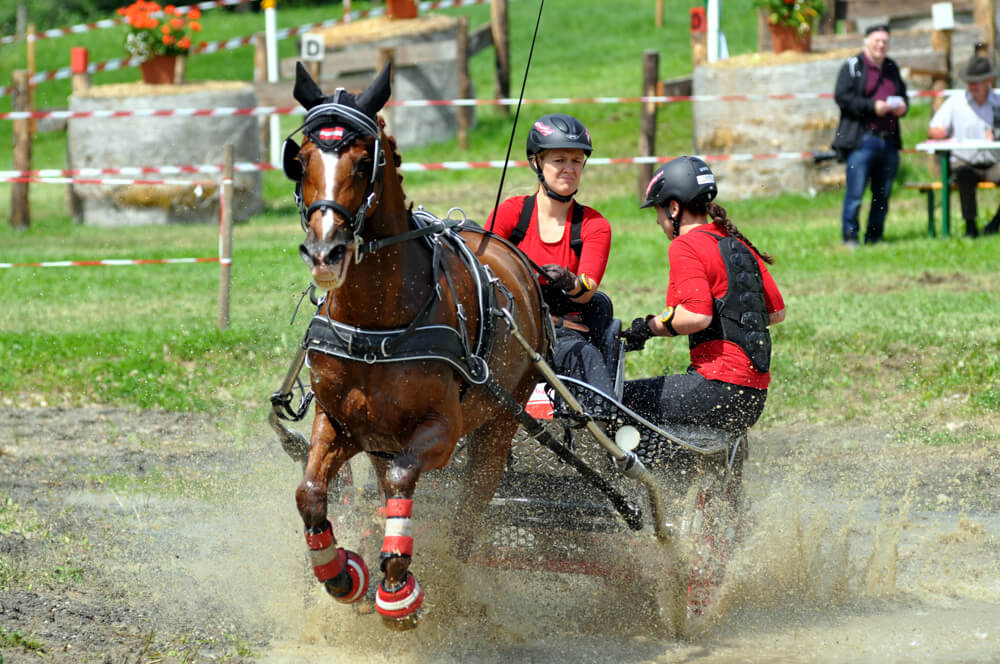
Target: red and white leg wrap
398,528
401,602
343,572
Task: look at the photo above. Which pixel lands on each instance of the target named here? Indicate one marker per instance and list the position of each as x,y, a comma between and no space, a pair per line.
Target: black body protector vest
740,316
559,303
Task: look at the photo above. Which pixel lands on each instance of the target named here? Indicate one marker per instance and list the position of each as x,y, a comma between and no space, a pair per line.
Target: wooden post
31,73
501,50
260,76
647,117
21,25
315,68
20,213
984,15
941,43
386,55
225,236
347,11
462,113
78,62
659,13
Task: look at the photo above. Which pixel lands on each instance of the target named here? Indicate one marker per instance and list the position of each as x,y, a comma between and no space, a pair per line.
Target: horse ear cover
290,160
306,92
374,98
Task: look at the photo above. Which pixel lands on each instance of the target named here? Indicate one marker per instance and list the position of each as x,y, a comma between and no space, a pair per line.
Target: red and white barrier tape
116,262
111,22
506,101
107,181
58,176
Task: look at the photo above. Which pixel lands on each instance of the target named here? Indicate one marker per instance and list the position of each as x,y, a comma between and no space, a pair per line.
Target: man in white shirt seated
974,115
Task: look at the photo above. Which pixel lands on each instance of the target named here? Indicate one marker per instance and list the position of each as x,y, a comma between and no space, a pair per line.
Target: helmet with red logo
558,130
687,180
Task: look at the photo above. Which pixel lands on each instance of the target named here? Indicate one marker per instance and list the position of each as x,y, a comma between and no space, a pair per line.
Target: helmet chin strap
548,190
676,221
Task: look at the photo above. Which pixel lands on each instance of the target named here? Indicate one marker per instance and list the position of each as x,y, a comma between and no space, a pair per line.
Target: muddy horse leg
342,572
399,595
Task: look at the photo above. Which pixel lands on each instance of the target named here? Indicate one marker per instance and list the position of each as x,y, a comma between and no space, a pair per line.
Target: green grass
904,333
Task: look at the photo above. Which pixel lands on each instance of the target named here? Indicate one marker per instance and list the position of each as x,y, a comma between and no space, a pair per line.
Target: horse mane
390,140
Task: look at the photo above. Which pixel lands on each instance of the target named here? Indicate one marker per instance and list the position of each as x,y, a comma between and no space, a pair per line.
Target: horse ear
306,92
290,160
373,99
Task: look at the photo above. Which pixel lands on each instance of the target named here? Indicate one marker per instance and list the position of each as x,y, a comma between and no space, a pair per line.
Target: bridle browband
320,117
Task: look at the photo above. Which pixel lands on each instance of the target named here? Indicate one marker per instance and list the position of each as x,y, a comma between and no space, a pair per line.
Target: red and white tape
117,262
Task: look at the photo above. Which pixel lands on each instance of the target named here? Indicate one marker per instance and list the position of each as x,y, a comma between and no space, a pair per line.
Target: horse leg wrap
398,528
401,602
343,572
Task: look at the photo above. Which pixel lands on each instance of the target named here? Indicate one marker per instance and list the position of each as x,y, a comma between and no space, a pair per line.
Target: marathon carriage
423,350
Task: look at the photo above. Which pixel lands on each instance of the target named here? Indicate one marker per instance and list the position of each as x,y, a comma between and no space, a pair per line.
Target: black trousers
692,399
578,358
968,177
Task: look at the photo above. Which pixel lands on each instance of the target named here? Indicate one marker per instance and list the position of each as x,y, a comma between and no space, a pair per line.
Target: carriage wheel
709,529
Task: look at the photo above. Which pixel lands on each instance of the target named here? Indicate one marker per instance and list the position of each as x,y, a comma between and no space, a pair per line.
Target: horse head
338,172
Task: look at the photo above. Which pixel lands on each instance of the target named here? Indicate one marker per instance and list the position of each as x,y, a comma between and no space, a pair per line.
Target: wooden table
944,148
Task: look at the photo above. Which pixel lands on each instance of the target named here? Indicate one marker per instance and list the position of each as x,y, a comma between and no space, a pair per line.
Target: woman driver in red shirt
568,240
721,295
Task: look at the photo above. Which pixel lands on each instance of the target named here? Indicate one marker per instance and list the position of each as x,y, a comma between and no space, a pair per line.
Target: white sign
313,47
942,16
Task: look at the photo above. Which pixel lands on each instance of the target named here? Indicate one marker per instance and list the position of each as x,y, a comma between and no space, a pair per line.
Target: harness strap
575,232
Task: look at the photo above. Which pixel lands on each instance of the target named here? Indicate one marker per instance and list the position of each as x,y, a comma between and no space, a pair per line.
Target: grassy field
904,333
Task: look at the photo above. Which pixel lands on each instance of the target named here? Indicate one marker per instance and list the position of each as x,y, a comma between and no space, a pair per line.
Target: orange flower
169,9
195,26
184,42
176,23
194,14
168,39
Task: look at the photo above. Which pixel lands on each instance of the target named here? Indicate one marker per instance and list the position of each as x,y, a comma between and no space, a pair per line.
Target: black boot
994,225
971,230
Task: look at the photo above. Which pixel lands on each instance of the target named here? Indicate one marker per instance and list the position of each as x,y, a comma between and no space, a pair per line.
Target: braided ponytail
719,218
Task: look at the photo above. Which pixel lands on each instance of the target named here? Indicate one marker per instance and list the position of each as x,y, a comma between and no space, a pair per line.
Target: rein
517,111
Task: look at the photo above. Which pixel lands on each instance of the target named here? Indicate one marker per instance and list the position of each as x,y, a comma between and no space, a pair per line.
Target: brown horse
405,351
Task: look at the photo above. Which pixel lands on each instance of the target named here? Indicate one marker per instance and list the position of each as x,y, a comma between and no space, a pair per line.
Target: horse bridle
318,118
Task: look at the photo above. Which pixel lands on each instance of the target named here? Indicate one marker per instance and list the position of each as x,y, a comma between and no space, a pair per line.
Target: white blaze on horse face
330,176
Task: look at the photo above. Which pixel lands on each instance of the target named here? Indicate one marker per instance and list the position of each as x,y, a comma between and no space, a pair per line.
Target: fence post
260,76
20,213
31,73
462,113
647,117
78,60
659,13
225,236
501,50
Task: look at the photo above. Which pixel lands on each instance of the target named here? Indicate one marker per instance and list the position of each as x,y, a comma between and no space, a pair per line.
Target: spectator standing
974,115
872,97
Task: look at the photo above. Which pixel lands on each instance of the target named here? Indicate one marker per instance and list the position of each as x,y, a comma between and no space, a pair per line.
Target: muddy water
845,561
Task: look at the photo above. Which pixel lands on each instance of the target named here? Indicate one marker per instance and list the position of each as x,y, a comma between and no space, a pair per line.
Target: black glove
636,335
559,277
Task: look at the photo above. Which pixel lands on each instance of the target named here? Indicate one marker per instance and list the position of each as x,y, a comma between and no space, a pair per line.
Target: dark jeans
692,399
968,177
876,161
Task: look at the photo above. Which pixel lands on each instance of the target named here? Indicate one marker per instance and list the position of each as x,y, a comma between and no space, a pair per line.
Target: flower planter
788,38
160,69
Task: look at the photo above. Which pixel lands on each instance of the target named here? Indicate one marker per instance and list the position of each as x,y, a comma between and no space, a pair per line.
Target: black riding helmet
554,131
688,180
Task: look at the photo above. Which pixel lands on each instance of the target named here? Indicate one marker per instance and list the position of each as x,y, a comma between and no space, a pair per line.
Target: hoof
352,583
399,607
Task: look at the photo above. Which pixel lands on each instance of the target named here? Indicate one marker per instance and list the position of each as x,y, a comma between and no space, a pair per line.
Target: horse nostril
306,256
336,254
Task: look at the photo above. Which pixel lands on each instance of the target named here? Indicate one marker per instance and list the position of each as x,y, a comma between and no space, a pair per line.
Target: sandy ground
165,537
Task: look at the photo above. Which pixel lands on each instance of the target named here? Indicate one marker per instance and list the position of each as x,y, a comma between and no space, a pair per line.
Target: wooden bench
929,188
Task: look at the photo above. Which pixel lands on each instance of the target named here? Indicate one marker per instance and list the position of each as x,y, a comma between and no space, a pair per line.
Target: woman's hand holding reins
560,277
